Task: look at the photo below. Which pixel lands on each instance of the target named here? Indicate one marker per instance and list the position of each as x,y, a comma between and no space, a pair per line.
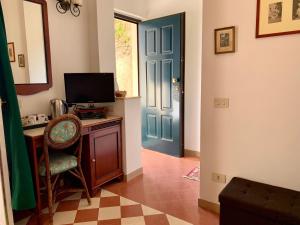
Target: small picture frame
21,59
11,51
225,40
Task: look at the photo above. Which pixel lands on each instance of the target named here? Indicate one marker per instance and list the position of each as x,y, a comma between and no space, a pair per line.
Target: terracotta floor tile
83,204
23,221
131,211
163,188
109,213
110,222
86,215
105,193
133,221
44,220
125,201
67,205
86,223
67,217
156,220
76,196
110,201
175,221
160,197
147,211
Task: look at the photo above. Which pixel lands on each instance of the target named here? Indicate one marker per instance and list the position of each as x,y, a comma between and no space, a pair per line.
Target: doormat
194,174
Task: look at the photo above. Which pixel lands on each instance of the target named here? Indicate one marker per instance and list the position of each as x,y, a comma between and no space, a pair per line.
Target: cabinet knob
93,160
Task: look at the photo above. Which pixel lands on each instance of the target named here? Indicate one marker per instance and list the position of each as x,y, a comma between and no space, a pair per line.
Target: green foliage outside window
122,36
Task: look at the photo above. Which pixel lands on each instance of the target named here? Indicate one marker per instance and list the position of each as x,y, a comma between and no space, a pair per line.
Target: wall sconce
63,6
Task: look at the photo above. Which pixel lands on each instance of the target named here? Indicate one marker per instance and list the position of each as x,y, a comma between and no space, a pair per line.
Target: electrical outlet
221,103
219,178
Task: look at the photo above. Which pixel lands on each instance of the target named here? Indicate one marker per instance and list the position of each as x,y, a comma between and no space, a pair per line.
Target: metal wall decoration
73,6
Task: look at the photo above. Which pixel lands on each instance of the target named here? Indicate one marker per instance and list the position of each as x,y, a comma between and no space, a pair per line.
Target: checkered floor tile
106,209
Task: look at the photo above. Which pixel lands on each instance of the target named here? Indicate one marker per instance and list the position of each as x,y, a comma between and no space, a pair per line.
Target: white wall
258,137
129,109
137,8
106,30
133,141
193,9
69,53
102,37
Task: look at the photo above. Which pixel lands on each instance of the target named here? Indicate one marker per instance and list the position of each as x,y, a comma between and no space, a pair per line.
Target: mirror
28,36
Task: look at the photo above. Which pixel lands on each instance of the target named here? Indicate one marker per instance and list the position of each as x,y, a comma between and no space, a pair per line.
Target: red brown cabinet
102,154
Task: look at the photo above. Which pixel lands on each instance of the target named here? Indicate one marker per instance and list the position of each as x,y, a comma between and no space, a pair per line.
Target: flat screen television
89,87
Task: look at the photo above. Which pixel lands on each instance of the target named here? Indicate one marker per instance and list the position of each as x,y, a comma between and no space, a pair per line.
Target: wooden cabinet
102,154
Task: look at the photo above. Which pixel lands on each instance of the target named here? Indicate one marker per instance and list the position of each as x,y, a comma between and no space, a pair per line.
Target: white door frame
6,215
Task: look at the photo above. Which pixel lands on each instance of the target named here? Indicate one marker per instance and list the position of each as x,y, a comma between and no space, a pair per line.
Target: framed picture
11,52
21,59
277,17
225,40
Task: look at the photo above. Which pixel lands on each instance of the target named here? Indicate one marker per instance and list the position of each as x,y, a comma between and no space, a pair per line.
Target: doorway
150,63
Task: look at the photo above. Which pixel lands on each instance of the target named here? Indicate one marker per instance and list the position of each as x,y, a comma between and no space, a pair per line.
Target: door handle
175,80
93,160
176,83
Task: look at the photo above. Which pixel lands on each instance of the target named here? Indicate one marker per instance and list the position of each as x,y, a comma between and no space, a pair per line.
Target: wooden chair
60,135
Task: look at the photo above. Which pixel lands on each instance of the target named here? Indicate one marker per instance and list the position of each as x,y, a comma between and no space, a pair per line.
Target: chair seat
59,162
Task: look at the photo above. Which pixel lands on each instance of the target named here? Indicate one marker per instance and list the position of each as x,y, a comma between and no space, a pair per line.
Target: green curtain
18,161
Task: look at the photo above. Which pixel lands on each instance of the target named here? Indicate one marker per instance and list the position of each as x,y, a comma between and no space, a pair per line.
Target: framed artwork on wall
225,40
11,51
277,17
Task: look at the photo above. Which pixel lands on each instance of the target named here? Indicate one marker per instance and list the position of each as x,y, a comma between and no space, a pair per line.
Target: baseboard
133,174
191,153
210,206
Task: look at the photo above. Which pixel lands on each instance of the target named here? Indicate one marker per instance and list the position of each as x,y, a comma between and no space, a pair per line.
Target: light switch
219,178
221,103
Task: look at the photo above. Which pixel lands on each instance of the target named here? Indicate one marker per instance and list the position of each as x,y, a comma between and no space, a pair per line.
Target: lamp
63,6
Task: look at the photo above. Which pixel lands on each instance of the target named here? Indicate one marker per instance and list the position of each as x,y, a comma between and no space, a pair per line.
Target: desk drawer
104,125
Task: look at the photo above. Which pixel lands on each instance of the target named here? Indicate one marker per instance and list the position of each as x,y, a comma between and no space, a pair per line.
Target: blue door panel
151,42
166,84
151,76
161,82
167,128
152,126
167,39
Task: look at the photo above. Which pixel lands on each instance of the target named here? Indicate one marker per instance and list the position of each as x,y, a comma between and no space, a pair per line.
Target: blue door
162,83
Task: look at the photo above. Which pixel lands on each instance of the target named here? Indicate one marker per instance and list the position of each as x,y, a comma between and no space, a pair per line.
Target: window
126,42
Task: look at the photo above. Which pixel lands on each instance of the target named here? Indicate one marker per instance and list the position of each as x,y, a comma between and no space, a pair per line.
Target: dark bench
245,202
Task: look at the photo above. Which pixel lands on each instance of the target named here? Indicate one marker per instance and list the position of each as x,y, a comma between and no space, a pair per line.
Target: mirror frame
29,89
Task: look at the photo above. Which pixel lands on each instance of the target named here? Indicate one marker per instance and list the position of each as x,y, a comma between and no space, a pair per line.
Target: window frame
135,21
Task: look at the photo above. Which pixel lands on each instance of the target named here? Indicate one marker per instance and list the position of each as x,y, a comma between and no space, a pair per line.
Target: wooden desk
102,152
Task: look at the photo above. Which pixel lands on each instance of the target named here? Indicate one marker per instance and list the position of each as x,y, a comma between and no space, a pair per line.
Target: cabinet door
107,155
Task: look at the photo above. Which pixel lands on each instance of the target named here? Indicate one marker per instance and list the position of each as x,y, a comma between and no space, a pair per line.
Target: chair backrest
63,132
